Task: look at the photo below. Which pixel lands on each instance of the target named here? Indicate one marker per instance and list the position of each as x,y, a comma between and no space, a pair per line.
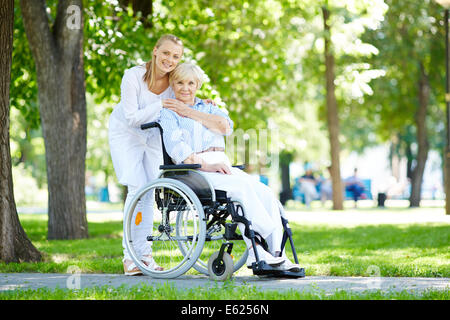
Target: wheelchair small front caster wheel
220,269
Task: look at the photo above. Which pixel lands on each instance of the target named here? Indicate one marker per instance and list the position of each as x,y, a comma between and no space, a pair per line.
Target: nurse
135,153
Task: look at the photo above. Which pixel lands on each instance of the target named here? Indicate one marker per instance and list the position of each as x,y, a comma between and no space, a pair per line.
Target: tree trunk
58,56
446,171
394,158
446,155
410,160
14,243
422,139
145,7
332,118
286,191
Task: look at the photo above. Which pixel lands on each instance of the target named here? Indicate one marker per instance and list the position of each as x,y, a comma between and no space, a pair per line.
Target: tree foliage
412,57
264,62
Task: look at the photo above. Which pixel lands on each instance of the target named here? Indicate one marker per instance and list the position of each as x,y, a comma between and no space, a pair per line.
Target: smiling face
185,89
185,80
167,56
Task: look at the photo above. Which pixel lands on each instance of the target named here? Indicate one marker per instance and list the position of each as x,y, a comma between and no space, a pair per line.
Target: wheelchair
195,225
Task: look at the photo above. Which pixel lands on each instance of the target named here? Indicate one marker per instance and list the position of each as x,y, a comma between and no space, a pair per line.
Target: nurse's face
185,90
167,56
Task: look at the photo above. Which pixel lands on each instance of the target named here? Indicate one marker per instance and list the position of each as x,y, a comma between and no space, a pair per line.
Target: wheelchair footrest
262,269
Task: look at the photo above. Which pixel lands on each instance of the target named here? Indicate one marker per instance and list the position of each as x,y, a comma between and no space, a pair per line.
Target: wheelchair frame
183,187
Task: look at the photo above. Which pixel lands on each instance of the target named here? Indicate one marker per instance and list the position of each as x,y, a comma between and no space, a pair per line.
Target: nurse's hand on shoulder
216,167
211,101
177,106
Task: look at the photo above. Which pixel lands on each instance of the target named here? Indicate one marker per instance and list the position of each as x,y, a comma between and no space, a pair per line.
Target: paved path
22,281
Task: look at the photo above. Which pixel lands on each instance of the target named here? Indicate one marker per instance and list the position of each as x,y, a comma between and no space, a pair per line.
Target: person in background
354,185
308,185
326,190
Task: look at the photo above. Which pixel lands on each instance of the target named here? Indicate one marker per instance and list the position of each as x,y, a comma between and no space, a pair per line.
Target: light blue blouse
184,136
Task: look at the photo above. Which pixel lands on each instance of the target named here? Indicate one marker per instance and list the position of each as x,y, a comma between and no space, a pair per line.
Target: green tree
335,64
247,75
332,114
57,50
264,61
15,246
405,98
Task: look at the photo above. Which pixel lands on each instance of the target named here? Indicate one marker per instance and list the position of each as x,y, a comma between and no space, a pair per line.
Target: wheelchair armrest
242,167
180,166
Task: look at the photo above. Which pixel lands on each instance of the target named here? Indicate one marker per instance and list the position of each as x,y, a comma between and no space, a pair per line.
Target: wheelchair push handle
151,125
168,163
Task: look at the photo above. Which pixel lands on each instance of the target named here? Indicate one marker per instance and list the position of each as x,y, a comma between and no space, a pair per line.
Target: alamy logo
374,273
74,281
73,21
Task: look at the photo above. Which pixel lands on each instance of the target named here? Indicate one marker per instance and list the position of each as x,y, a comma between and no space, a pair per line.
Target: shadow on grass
395,250
372,236
392,250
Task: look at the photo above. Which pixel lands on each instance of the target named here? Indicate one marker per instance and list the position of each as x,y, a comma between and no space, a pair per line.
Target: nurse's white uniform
135,153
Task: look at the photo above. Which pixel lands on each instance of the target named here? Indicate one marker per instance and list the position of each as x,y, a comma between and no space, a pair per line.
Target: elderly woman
195,134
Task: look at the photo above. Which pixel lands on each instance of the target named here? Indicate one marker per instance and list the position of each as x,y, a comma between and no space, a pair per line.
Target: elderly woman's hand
177,106
216,167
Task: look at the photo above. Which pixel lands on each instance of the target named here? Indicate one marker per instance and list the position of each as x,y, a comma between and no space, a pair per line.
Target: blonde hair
150,66
185,71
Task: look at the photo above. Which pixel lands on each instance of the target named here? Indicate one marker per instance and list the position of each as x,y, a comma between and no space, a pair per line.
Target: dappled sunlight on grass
413,250
419,249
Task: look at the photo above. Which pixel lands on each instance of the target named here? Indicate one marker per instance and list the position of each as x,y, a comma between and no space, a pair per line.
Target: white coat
136,154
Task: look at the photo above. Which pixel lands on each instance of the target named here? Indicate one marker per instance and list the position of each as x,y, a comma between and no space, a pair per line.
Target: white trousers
260,205
136,156
141,223
142,220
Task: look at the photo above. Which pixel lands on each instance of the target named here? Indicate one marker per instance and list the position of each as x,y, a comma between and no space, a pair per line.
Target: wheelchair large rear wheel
178,221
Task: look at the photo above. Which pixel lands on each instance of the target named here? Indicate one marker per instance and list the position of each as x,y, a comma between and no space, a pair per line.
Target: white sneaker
289,266
263,255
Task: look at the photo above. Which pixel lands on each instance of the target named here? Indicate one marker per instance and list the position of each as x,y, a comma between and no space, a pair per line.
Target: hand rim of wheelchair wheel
220,269
195,248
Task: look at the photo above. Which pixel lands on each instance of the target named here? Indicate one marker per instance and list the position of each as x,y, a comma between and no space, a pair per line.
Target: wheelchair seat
198,183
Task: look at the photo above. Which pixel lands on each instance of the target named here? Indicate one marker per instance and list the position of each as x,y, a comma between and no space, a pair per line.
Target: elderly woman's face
185,90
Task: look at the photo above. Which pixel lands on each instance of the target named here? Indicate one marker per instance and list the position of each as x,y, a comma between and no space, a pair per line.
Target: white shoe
130,269
289,266
263,255
150,262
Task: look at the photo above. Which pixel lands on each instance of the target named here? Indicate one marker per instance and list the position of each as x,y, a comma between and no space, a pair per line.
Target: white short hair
186,71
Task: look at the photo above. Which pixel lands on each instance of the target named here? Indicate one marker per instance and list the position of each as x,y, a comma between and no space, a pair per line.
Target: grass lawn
396,250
